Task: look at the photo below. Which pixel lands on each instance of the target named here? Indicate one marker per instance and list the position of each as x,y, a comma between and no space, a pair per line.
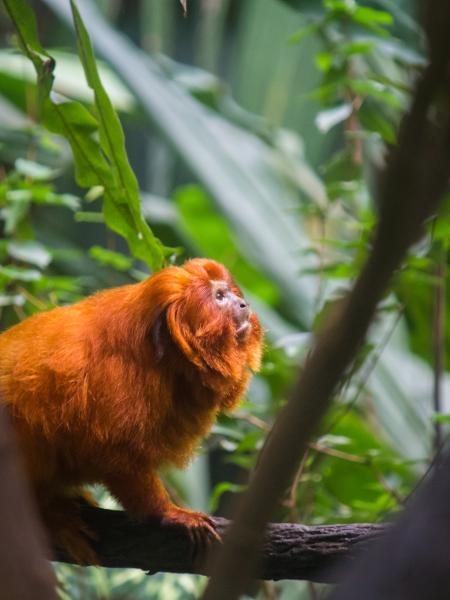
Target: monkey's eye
220,296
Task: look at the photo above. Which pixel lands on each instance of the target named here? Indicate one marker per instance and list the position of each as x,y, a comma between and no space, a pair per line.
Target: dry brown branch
290,551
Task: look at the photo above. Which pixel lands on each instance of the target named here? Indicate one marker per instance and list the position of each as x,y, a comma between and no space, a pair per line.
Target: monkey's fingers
205,533
200,527
203,538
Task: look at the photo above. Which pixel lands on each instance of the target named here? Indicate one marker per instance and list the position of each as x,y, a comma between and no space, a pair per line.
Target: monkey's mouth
242,328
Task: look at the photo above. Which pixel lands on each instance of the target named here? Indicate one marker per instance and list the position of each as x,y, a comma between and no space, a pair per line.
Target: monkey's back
37,354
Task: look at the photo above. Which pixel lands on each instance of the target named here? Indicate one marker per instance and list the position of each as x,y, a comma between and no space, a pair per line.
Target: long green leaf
102,162
122,207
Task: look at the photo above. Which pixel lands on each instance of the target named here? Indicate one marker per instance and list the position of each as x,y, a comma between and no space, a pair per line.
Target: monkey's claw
201,529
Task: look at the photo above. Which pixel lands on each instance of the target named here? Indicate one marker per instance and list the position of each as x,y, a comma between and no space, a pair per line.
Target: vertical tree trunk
25,572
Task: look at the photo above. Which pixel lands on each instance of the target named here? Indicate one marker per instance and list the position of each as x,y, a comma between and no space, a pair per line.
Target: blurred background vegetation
256,129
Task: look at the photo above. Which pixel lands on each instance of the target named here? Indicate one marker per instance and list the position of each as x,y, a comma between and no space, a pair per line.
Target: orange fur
127,381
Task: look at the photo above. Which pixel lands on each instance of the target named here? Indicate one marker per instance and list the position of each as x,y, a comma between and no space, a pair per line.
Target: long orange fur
113,388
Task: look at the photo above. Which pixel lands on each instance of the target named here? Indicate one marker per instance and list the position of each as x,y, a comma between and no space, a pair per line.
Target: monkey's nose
242,309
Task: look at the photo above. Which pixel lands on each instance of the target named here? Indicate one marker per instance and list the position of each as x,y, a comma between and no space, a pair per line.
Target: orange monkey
125,382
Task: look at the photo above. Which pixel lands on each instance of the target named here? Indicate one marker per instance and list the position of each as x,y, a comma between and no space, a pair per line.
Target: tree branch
290,551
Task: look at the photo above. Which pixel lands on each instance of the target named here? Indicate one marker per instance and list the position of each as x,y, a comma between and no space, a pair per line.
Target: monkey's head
205,314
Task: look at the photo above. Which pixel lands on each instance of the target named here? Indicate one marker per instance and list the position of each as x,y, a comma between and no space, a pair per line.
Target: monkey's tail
68,532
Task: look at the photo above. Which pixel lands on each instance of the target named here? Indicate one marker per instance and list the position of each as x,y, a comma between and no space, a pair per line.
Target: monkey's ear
159,336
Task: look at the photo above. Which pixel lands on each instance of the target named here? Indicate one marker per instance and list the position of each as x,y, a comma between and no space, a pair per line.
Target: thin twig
438,333
389,489
339,454
253,420
291,501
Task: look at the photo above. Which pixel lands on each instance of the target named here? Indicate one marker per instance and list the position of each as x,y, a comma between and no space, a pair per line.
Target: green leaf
59,283
441,418
327,119
19,274
335,270
368,16
30,252
16,73
373,119
344,6
334,440
32,169
309,29
441,229
111,259
19,195
357,47
403,16
94,193
324,61
68,200
16,211
220,489
122,209
89,217
368,87
372,19
401,53
12,300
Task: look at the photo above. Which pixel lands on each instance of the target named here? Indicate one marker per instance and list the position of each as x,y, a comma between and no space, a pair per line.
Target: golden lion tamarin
112,388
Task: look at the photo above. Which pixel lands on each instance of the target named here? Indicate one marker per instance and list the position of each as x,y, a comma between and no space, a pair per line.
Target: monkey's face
228,301
213,305
207,316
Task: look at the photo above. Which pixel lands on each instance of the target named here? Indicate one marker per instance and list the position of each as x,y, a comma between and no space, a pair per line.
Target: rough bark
290,551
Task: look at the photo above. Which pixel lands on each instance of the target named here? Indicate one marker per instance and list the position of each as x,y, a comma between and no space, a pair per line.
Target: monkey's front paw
200,527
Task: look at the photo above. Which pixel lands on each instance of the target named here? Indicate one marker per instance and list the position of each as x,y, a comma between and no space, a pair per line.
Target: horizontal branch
290,551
